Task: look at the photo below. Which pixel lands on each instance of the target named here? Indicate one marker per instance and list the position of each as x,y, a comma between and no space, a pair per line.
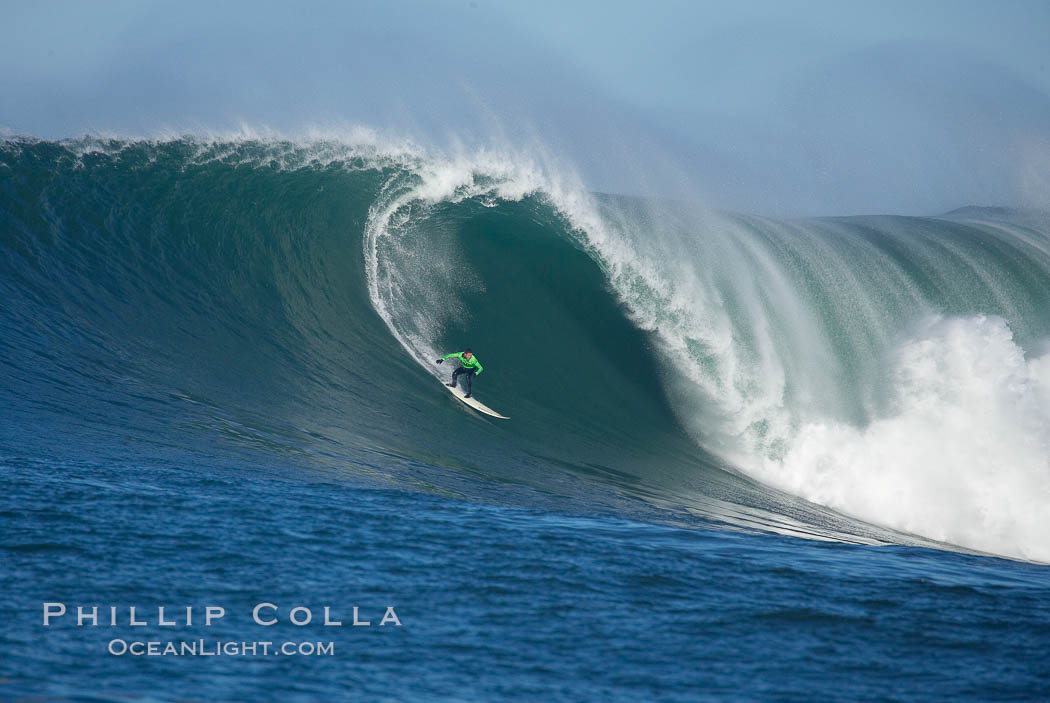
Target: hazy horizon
822,108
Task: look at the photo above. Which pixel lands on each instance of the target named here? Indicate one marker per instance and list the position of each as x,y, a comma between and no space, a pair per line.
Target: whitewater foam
779,339
962,456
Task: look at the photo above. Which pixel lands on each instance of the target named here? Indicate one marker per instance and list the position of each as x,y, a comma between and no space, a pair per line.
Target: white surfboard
473,402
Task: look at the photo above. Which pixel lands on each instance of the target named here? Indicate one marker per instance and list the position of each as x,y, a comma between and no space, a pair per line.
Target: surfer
469,368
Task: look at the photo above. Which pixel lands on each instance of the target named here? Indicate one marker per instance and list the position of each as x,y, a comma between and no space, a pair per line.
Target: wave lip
782,349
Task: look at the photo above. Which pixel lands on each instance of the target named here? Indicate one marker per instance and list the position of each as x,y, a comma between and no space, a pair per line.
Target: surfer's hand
440,360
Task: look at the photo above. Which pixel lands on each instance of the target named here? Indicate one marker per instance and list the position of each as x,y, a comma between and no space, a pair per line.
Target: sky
782,108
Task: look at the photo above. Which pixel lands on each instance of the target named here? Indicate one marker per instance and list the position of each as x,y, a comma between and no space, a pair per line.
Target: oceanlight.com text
218,648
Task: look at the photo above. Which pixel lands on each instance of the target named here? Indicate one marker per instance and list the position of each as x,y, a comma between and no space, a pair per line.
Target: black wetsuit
468,376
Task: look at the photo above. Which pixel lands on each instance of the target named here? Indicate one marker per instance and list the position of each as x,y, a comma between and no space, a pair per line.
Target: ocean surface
748,458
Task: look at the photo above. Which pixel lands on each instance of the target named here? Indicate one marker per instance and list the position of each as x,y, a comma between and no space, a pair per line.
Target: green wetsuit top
471,363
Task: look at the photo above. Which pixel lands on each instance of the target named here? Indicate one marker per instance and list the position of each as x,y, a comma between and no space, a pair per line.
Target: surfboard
473,402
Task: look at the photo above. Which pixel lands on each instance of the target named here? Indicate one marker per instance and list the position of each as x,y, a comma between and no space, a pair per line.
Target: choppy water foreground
496,603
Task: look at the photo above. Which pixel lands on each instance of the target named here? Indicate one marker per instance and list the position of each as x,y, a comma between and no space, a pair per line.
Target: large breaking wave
290,296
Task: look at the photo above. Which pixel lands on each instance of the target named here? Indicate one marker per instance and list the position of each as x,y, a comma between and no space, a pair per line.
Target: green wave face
289,299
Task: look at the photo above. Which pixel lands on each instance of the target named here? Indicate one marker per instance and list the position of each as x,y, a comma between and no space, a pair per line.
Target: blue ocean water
495,602
748,459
